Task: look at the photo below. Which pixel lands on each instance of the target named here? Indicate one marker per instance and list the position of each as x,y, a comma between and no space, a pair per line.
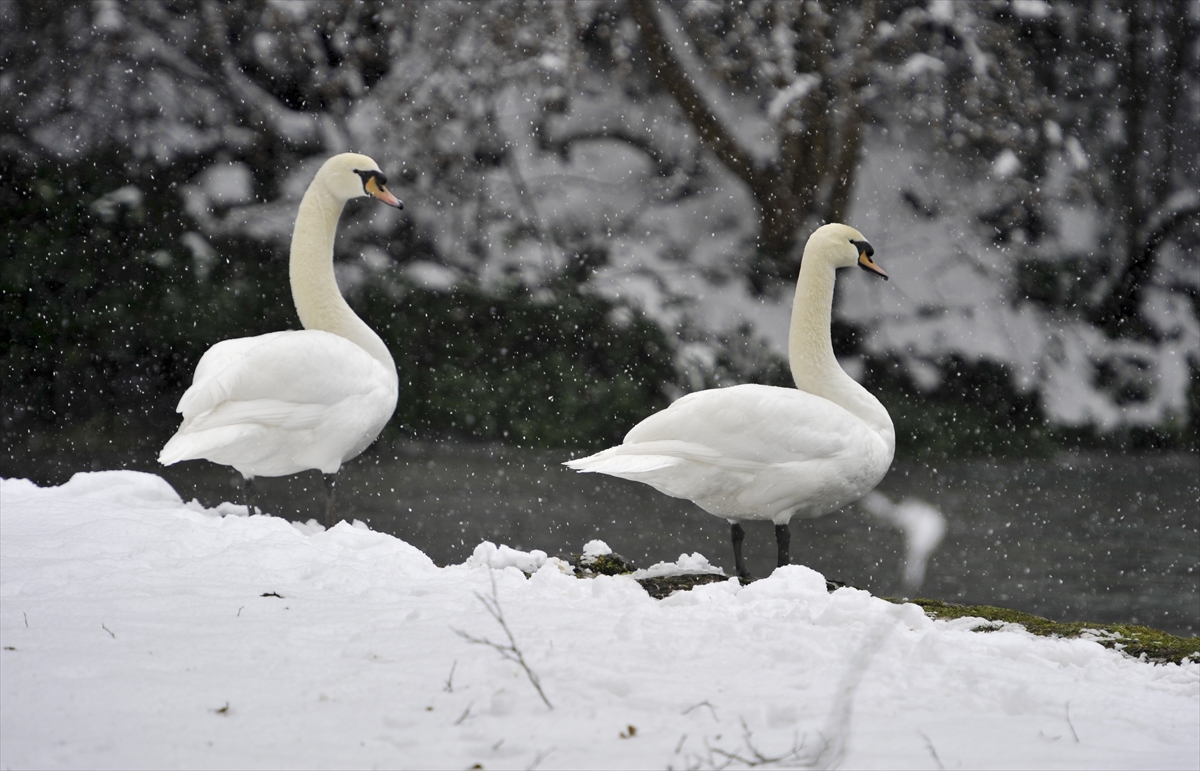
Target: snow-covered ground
142,632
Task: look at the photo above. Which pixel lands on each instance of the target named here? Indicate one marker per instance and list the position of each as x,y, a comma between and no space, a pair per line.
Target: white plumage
284,402
750,452
761,452
281,403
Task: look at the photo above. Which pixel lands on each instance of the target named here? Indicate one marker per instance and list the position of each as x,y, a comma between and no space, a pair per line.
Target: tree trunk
1141,164
811,178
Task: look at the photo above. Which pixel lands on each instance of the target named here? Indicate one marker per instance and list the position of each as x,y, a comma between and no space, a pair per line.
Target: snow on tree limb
666,47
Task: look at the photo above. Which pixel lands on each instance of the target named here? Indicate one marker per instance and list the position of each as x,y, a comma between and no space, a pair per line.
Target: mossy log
1137,641
1140,642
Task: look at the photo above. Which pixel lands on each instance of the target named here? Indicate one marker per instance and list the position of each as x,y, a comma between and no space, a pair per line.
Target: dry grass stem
509,651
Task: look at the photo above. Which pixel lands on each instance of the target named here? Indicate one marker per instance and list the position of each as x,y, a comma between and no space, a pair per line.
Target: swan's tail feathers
187,447
622,465
219,445
174,451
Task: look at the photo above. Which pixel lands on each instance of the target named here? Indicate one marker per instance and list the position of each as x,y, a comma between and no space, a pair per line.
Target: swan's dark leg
331,517
251,495
783,537
738,535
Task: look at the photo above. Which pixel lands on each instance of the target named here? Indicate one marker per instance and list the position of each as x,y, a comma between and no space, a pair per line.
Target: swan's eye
374,183
367,176
863,247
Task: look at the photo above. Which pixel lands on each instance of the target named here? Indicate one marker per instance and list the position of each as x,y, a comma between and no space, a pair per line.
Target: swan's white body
751,452
284,402
767,453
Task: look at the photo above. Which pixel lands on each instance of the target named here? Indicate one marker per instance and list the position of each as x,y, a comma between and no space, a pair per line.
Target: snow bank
687,564
139,631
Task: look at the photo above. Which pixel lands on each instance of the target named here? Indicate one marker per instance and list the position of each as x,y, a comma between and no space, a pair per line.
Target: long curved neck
314,288
810,350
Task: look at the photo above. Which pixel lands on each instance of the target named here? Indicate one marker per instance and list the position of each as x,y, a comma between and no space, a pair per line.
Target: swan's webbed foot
783,537
331,517
738,534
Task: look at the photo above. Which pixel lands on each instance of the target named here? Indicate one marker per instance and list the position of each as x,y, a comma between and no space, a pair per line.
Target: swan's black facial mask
865,252
374,184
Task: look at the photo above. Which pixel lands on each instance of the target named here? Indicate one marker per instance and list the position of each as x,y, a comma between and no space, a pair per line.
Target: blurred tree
1083,116
1110,85
964,73
779,93
775,91
151,156
1133,98
180,84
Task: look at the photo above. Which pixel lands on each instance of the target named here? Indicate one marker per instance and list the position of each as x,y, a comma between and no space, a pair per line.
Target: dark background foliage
108,315
117,272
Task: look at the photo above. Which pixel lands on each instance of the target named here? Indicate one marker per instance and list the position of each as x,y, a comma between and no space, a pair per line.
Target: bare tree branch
510,651
1120,310
816,112
672,75
848,147
663,165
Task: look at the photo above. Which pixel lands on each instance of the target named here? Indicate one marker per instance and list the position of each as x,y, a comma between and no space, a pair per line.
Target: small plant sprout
509,651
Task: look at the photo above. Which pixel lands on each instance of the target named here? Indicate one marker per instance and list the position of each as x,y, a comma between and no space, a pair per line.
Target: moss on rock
1140,642
662,587
610,564
1137,641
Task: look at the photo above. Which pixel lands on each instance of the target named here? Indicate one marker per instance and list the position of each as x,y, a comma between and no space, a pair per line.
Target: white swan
284,402
760,452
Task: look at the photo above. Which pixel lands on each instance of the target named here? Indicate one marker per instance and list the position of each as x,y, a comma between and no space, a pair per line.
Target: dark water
1103,538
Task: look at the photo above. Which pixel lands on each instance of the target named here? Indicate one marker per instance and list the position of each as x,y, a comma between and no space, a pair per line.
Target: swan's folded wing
267,412
622,465
639,457
280,377
227,353
752,424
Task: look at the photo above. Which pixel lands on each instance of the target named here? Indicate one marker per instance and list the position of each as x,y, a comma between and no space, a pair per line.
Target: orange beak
866,263
373,187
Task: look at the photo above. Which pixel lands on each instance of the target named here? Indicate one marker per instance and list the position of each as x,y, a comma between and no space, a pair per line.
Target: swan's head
842,246
351,175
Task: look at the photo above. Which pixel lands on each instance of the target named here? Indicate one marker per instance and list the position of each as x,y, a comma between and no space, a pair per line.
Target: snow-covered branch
670,56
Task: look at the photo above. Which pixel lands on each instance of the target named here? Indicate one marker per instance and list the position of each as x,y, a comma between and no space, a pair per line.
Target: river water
1092,537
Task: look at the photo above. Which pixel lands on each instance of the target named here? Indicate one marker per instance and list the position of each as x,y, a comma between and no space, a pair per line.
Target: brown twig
537,759
510,651
704,703
932,751
756,757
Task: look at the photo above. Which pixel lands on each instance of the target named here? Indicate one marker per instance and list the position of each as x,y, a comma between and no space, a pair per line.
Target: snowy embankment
139,631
